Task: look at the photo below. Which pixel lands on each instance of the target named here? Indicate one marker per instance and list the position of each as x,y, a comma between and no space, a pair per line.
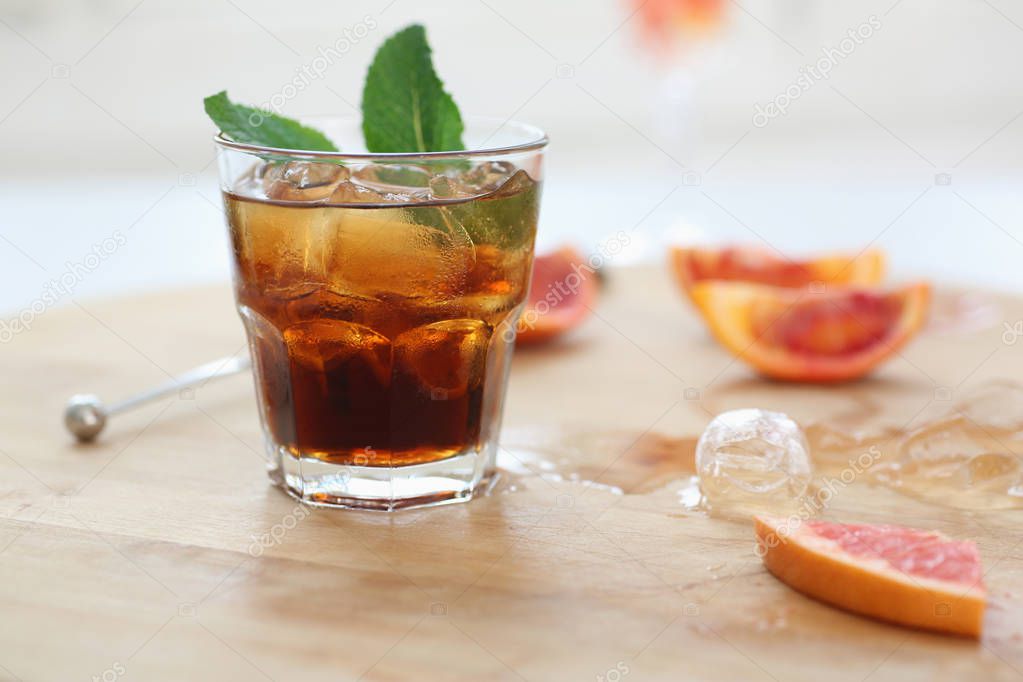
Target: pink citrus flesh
561,295
911,577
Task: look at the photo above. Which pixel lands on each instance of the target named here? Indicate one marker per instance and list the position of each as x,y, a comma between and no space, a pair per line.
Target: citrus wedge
911,577
803,335
561,295
751,264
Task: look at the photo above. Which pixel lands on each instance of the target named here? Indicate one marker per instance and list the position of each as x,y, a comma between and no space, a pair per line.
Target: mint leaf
507,218
257,126
404,105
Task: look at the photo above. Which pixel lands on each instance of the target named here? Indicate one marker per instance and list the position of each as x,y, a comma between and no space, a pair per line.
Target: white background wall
102,129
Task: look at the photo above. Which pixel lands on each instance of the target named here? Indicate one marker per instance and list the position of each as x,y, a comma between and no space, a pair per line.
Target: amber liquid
381,336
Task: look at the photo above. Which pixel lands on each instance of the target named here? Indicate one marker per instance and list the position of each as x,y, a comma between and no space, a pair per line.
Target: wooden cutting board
162,553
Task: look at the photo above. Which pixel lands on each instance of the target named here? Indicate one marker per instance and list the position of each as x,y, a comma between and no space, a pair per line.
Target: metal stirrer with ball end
86,416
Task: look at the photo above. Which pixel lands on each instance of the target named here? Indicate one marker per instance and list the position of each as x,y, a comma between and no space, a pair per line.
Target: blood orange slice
802,335
750,264
912,577
561,295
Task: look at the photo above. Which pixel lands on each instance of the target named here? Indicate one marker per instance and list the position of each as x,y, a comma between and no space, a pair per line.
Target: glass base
321,484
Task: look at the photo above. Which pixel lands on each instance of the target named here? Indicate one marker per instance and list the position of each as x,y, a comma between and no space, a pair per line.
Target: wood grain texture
138,558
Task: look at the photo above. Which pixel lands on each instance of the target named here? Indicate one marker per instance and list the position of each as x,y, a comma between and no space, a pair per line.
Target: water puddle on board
964,454
617,462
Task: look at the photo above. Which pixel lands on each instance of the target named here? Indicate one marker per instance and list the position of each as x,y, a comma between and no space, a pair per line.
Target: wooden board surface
162,553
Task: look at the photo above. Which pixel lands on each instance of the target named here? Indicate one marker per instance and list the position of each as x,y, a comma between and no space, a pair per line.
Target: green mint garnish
265,128
405,108
404,105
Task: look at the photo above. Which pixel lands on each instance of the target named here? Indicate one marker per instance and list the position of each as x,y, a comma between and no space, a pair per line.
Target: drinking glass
380,295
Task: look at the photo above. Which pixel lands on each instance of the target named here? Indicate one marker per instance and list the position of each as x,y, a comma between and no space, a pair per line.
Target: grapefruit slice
751,264
802,335
561,295
911,577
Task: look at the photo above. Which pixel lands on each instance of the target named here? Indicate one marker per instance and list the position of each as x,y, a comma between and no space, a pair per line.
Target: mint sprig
404,105
265,128
405,108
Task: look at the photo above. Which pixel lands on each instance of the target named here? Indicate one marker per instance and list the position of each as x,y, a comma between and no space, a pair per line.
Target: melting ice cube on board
753,460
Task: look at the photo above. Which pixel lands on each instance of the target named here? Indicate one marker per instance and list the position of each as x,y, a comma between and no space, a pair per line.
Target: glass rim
539,141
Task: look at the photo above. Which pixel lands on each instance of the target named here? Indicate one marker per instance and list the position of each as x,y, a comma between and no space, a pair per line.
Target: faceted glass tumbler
380,294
